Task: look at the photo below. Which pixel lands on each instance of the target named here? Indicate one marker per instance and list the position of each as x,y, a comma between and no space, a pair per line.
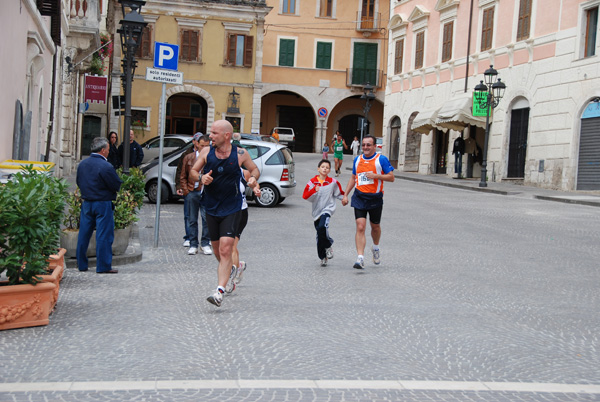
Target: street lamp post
489,96
368,96
132,27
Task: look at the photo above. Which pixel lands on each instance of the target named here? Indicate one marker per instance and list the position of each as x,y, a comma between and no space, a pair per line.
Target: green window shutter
364,66
324,55
286,52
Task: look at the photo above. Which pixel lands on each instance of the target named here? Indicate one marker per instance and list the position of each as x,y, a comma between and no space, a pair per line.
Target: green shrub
31,210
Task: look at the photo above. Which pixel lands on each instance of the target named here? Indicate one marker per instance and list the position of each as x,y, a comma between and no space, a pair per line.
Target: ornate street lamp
369,97
488,95
132,28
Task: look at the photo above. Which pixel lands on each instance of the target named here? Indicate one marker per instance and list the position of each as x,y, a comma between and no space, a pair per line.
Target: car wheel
152,192
269,196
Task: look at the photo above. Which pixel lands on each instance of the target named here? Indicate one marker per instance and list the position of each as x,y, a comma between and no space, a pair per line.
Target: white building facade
544,132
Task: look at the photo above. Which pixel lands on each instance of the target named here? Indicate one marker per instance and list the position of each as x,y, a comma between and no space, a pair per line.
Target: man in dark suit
136,153
99,183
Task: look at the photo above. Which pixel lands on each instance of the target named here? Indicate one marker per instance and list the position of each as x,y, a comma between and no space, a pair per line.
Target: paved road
479,297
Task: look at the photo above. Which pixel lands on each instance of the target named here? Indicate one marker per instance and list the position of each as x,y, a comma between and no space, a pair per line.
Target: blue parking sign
166,56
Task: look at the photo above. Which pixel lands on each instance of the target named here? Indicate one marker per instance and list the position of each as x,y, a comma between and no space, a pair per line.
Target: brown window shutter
231,49
248,52
194,36
420,50
524,20
185,45
398,56
488,25
447,41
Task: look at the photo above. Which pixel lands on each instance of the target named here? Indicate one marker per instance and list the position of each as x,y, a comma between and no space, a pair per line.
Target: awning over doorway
456,114
425,121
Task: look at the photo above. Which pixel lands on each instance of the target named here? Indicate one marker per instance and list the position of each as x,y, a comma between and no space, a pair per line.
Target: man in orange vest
369,172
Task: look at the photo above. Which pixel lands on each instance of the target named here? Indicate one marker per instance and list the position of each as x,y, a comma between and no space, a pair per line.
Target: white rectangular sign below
166,76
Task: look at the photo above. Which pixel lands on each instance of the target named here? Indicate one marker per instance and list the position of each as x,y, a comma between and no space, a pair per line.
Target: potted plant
31,209
129,200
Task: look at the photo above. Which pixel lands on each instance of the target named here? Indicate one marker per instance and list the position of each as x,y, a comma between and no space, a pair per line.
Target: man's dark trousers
98,215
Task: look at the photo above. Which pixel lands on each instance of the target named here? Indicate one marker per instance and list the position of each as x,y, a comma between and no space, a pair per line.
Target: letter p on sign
166,56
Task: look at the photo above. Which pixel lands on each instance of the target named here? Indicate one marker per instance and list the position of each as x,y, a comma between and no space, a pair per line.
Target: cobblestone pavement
479,297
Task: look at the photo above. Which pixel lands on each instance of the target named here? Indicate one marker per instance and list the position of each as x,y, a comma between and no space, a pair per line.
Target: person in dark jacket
99,184
113,153
136,154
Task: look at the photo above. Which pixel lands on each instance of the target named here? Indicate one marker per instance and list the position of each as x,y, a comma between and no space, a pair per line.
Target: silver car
274,161
172,142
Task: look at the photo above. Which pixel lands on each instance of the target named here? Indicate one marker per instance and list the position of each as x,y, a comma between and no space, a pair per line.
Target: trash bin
11,166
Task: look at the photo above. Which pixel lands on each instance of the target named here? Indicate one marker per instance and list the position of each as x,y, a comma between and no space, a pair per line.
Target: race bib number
339,148
363,180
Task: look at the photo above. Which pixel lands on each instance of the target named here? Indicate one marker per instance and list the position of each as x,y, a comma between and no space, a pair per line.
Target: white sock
361,257
375,247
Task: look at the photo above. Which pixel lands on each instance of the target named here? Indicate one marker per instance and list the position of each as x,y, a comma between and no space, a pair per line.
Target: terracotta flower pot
57,259
25,305
55,277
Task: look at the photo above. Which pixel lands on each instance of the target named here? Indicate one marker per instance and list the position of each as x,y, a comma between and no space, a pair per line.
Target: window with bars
487,29
325,8
288,7
144,50
591,29
524,20
324,55
239,50
398,53
190,41
447,41
419,49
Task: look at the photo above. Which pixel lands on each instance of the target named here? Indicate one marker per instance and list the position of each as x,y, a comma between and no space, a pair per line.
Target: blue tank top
223,197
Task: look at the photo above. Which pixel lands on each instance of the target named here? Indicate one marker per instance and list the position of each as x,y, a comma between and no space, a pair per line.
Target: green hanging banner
479,99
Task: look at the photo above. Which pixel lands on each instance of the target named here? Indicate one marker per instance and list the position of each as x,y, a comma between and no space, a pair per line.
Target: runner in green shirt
338,151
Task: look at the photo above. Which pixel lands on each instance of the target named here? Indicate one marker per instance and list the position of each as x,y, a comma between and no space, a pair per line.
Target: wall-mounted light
233,102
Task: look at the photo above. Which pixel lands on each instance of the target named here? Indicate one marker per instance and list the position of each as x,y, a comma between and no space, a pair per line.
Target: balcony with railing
359,77
368,23
84,14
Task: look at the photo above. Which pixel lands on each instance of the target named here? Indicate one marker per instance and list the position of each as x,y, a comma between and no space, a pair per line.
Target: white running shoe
216,298
324,262
376,256
193,250
359,264
329,252
230,287
186,243
240,272
206,250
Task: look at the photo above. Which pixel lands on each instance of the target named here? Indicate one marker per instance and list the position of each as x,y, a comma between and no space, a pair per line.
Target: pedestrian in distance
338,152
99,183
136,153
354,146
369,172
222,198
113,153
275,134
192,193
325,151
179,191
322,191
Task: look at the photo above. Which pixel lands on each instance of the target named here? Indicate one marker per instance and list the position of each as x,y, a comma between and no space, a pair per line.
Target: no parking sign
322,112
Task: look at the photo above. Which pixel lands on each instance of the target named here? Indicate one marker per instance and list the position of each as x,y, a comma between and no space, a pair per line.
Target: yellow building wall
210,74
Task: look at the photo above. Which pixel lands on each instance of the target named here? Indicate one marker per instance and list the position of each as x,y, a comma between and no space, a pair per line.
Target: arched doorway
394,141
517,147
92,126
349,127
289,109
412,152
588,167
186,114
